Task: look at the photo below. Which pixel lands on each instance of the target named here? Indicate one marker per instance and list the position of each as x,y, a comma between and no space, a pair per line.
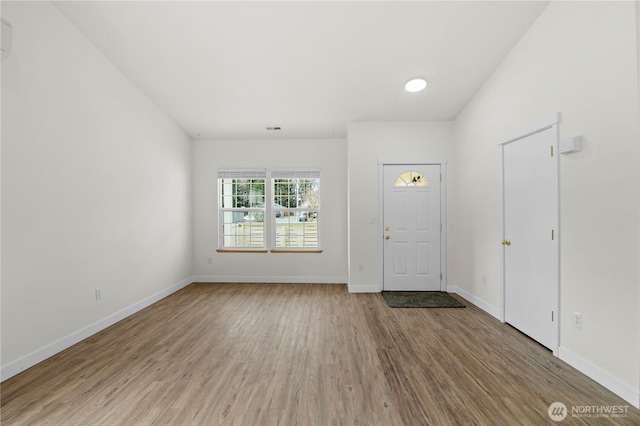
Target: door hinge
440,177
551,316
440,227
440,276
553,234
552,150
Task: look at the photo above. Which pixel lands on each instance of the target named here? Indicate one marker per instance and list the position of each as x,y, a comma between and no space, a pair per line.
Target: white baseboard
491,310
41,354
364,289
269,279
623,390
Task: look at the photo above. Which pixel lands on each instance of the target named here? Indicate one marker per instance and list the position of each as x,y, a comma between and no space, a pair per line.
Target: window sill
267,251
242,251
296,251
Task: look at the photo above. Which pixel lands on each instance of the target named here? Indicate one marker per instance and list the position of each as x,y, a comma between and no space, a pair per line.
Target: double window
277,210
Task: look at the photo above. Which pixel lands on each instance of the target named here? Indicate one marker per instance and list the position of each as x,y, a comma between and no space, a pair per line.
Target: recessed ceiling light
415,85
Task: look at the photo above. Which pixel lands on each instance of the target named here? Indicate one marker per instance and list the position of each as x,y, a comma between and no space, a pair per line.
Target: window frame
268,209
297,173
249,174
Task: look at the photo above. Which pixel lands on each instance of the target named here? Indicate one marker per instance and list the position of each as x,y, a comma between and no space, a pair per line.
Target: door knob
506,242
386,237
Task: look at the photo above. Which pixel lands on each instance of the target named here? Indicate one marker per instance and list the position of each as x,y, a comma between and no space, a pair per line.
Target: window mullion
269,219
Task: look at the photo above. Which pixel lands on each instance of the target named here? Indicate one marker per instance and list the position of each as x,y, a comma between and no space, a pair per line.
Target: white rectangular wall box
570,145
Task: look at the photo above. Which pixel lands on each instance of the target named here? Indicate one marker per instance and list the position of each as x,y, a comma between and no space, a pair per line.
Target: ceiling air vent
274,128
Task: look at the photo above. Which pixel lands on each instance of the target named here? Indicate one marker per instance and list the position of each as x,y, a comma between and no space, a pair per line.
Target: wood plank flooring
283,354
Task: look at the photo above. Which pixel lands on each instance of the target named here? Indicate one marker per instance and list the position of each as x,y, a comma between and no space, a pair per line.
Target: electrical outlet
361,268
484,280
98,293
209,260
577,319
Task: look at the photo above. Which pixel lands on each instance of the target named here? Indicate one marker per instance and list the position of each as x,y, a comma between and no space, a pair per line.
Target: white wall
96,187
369,143
579,59
95,190
327,154
637,3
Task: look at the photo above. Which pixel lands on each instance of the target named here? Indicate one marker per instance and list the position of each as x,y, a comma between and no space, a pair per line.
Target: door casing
443,217
550,121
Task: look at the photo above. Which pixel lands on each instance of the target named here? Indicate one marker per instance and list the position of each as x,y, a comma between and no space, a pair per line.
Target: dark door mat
420,299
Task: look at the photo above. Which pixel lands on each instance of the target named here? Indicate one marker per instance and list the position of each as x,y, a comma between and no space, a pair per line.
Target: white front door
530,240
412,227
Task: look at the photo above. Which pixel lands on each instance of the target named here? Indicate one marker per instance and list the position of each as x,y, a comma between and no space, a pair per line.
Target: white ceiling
231,69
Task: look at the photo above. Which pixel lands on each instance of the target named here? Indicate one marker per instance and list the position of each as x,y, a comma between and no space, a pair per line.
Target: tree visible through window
296,198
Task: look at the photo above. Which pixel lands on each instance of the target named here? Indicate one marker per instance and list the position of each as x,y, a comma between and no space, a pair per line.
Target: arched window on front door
411,178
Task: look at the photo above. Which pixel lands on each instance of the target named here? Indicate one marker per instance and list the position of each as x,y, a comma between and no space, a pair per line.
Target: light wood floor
267,354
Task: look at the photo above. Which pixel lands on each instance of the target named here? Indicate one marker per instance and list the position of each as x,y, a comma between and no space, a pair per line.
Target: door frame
443,216
548,122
